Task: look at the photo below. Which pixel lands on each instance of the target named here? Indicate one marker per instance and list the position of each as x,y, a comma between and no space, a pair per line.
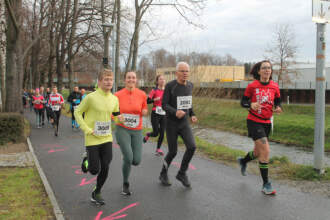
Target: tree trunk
117,69
14,64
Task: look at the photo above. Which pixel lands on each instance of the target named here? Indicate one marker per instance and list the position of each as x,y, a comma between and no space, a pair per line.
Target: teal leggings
130,142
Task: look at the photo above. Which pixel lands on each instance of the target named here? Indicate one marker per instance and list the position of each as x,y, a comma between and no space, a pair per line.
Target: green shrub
11,128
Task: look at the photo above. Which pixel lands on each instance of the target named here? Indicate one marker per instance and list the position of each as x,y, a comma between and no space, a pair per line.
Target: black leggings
48,112
55,115
173,130
38,115
158,123
99,156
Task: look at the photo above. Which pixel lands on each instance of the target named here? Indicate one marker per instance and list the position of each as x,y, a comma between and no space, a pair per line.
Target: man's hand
194,119
180,114
278,110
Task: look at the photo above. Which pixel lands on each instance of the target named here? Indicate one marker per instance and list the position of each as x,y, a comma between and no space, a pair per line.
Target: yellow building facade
207,73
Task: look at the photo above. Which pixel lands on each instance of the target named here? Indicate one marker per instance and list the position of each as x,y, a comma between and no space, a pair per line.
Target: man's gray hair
181,63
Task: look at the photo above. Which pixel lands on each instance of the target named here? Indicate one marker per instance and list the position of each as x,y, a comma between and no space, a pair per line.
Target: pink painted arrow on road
116,214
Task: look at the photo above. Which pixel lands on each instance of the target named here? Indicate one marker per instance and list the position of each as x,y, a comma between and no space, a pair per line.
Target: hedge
11,128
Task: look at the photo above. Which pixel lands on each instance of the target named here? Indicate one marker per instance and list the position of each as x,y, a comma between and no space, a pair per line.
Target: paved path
219,192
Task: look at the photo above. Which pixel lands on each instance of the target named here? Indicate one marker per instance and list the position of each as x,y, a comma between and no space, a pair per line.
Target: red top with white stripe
38,102
55,99
155,93
265,95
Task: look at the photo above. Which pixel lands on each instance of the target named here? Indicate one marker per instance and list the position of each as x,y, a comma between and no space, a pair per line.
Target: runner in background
74,99
38,105
55,102
158,114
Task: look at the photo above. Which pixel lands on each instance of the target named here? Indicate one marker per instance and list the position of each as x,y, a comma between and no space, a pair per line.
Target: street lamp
106,49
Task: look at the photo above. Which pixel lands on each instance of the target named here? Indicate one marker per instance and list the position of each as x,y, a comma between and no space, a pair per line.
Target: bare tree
2,53
282,51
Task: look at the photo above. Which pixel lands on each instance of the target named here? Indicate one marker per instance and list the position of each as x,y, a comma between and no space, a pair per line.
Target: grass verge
281,167
294,126
22,195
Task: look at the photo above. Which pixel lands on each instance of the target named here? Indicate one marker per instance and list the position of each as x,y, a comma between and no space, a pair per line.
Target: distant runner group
172,107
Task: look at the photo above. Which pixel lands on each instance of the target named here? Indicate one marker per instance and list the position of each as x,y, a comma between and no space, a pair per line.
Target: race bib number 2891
184,102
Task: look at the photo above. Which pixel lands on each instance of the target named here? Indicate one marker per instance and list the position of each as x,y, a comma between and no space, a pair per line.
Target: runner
47,107
132,105
38,106
260,97
42,92
74,99
177,102
83,95
98,107
55,102
157,114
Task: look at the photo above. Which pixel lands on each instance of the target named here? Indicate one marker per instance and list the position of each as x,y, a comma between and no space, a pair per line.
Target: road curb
57,211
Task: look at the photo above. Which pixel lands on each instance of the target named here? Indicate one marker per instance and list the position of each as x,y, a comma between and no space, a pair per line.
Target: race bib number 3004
102,128
131,121
184,102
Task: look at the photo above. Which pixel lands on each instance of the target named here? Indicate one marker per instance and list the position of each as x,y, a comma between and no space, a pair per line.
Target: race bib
131,121
160,111
75,107
184,102
55,107
102,128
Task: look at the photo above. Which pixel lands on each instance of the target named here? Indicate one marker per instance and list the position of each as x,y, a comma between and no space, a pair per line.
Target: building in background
205,74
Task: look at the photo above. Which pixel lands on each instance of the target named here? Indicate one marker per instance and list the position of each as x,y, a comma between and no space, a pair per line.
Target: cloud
242,28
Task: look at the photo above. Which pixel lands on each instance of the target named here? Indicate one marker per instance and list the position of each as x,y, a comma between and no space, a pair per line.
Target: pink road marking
78,172
116,214
115,145
84,182
75,167
192,167
51,146
55,150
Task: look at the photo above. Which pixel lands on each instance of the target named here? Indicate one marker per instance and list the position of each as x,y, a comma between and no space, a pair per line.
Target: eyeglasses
184,71
266,68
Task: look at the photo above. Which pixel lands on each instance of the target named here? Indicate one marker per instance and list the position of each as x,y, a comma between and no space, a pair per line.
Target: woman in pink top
158,114
38,105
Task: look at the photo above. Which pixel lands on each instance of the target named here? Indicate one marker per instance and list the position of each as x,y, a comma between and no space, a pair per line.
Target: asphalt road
218,191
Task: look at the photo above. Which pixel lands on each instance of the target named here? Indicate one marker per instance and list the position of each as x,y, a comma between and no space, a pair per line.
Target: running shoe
126,190
268,189
183,178
56,132
97,198
164,179
84,164
159,152
145,139
242,165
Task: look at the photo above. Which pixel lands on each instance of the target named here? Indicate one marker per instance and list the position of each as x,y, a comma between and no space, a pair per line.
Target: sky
242,28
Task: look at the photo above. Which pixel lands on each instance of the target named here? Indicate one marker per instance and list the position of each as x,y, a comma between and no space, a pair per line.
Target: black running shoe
97,198
183,178
126,191
242,165
164,179
84,164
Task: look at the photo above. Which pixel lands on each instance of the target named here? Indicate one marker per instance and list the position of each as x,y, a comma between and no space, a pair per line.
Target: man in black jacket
74,99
